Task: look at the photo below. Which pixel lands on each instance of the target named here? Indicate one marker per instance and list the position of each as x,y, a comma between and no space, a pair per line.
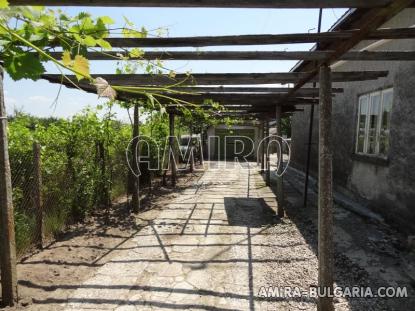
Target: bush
83,159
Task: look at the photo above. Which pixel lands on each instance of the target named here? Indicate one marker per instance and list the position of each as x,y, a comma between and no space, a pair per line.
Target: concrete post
280,184
7,235
325,193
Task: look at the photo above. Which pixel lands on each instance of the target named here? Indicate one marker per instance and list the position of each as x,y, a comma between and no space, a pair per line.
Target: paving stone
201,260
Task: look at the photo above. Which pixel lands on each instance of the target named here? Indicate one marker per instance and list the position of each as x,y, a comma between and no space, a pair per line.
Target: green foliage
83,159
27,34
23,65
4,4
156,127
286,126
26,30
25,225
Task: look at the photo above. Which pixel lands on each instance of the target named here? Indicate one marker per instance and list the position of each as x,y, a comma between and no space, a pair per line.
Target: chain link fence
51,192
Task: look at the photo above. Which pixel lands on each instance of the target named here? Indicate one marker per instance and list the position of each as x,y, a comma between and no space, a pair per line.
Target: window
373,124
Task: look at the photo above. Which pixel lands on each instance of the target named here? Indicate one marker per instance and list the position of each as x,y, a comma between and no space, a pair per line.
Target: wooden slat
268,39
223,78
254,110
236,98
270,4
254,55
229,100
232,102
271,90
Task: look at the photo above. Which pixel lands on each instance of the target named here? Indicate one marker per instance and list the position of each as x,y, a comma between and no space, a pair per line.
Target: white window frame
358,124
369,96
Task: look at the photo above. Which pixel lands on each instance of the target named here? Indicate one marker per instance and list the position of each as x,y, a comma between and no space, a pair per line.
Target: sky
38,97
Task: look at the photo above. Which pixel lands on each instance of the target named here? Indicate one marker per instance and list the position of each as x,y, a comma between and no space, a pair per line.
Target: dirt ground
213,244
82,248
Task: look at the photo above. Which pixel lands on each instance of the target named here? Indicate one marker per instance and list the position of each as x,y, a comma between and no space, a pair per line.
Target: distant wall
212,143
388,187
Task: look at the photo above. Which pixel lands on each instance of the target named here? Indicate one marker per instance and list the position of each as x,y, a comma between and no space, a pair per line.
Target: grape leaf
4,4
136,53
89,41
23,66
81,66
104,44
66,58
107,20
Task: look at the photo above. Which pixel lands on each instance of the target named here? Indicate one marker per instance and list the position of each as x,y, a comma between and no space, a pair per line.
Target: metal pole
268,173
136,160
191,158
310,130
263,148
7,235
259,137
201,154
171,150
280,182
325,193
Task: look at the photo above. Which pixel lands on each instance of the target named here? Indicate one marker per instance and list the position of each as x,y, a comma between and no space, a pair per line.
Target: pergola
238,93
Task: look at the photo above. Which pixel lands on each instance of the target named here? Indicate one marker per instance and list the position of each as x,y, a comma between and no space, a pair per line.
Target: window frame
387,90
369,96
359,114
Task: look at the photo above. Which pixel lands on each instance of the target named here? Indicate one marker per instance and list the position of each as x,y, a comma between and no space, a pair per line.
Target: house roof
348,21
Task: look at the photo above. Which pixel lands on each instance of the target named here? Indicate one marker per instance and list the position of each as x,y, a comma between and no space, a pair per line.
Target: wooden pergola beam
239,101
266,39
268,4
250,116
260,90
242,109
233,96
232,102
254,55
222,78
225,99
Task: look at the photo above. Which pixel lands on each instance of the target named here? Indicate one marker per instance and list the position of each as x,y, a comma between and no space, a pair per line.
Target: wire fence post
38,197
7,234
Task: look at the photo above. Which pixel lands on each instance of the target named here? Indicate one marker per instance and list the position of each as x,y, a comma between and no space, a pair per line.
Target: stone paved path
204,251
210,245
